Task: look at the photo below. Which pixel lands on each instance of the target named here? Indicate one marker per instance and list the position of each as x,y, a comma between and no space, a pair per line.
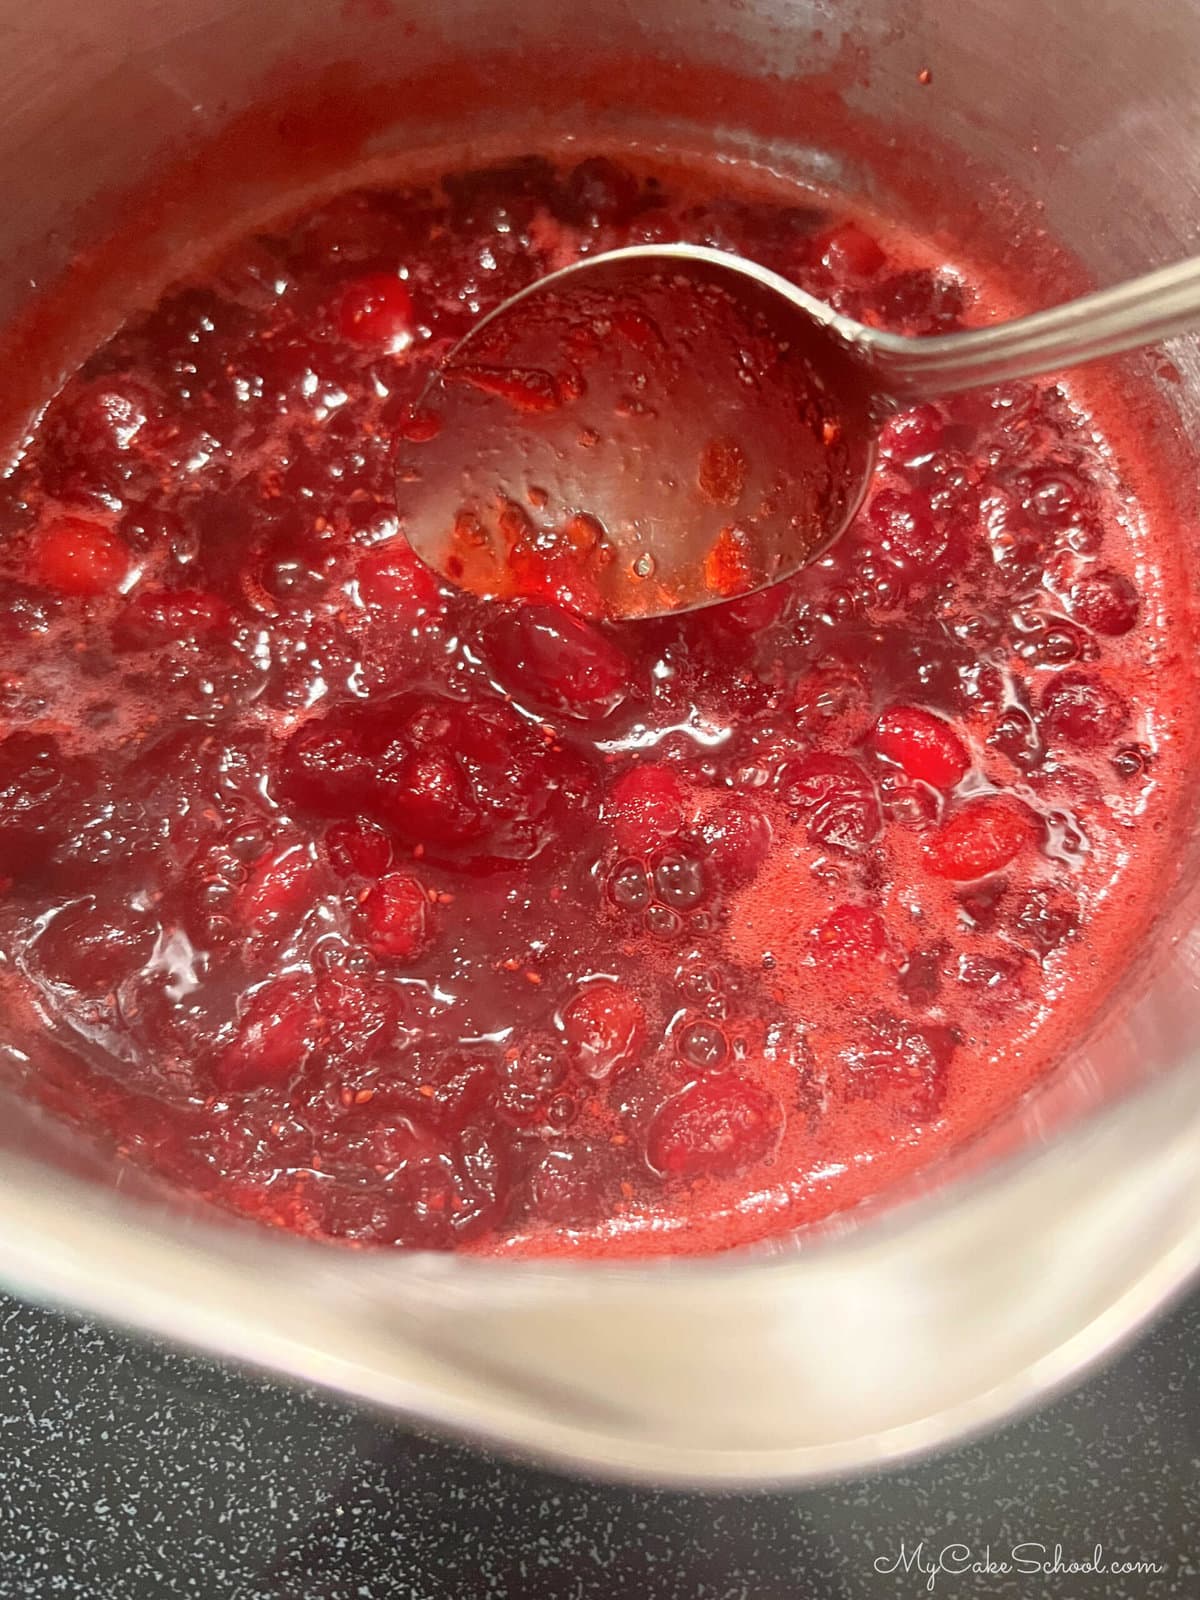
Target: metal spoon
667,426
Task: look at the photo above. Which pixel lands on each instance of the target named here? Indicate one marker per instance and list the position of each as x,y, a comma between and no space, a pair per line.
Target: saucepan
1068,134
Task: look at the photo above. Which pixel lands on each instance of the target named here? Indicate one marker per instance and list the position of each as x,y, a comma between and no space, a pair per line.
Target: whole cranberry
558,662
604,1026
836,797
600,190
1079,708
714,1128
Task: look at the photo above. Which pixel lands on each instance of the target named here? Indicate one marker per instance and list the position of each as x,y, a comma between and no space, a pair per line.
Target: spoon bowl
666,427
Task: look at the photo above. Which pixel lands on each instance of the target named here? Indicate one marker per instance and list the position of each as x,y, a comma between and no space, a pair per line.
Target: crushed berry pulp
376,912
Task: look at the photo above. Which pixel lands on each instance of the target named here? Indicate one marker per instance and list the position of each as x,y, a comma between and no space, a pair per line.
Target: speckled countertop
135,1473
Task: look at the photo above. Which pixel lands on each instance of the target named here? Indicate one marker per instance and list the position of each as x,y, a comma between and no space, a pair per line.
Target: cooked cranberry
72,556
559,662
358,848
1080,708
359,1013
153,618
439,1194
907,530
920,978
472,784
278,1026
714,1128
106,414
836,797
600,190
279,886
1105,601
1045,919
376,312
912,435
737,838
91,949
982,837
532,1083
850,252
572,1184
395,580
40,789
925,746
905,1064
646,806
918,301
848,935
604,1026
395,918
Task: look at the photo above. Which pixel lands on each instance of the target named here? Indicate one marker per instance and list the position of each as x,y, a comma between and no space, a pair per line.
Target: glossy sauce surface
386,915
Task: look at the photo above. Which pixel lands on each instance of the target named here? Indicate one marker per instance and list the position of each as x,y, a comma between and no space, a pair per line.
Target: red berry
851,252
912,435
920,301
599,190
836,797
1079,708
278,1026
395,918
646,809
472,783
905,527
848,935
981,838
923,745
573,1183
376,312
359,1013
155,617
904,1064
281,884
1105,601
713,1129
533,1087
737,838
604,1027
92,948
752,613
1045,920
395,579
40,792
558,662
358,848
74,556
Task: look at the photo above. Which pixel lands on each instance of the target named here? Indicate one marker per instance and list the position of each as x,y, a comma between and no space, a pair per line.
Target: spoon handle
1140,312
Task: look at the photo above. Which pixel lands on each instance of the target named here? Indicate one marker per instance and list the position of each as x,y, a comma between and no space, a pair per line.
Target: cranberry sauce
372,911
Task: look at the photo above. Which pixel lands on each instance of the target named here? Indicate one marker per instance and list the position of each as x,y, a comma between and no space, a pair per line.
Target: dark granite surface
135,1473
